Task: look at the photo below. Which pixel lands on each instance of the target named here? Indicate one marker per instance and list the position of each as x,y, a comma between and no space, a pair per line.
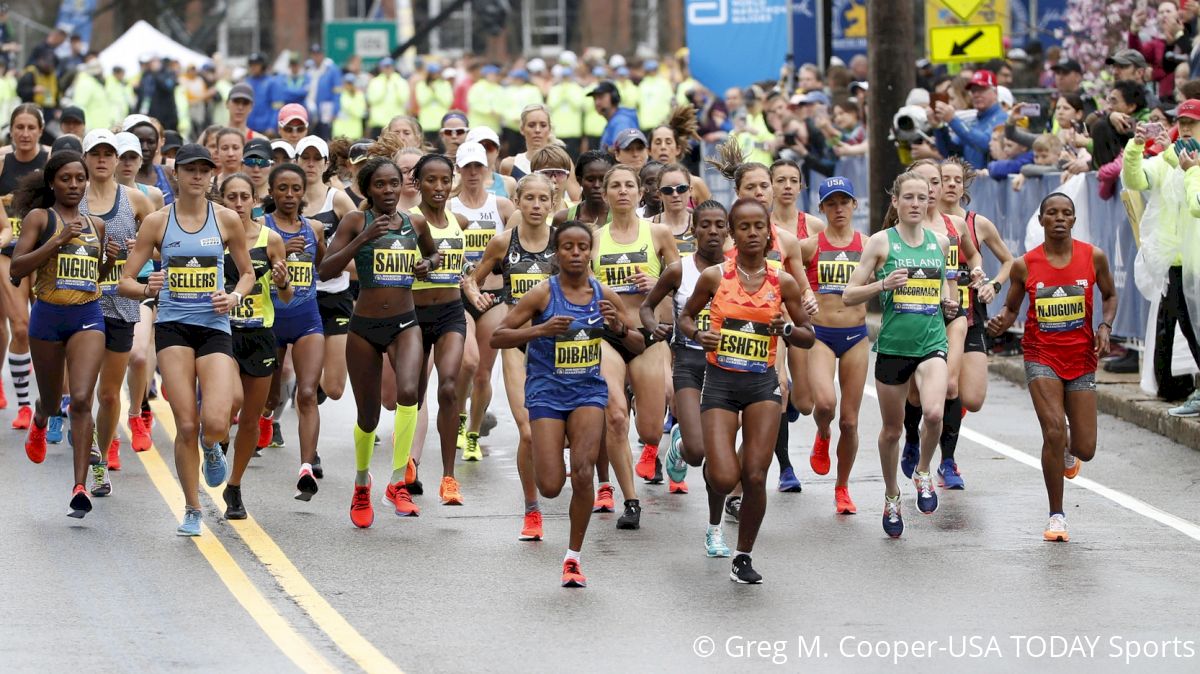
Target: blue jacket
287,89
262,116
323,106
973,140
1003,168
623,118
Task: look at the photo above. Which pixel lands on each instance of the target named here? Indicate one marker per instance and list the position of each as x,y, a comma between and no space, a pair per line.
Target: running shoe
416,488
675,465
909,458
632,518
24,418
101,485
114,454
81,503
668,422
603,504
148,418
234,508
265,432
788,482
1071,465
461,440
472,452
949,476
489,422
645,464
216,468
733,507
35,443
531,529
572,575
842,501
54,430
927,501
362,513
306,486
819,458
3,398
318,470
139,434
94,457
742,572
1056,529
893,522
1189,408
714,543
191,522
658,472
449,492
276,436
152,392
400,497
677,487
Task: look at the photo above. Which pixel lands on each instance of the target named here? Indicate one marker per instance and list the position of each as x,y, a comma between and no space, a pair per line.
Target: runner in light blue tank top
194,266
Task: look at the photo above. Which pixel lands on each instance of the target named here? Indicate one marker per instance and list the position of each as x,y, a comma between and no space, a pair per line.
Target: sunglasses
296,128
256,162
453,132
668,190
554,173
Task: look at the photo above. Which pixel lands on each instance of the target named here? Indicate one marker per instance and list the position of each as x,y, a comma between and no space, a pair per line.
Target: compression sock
364,445
781,444
951,422
912,423
19,367
404,429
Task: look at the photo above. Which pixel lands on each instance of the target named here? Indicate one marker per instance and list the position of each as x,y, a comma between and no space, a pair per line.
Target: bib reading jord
745,345
1060,308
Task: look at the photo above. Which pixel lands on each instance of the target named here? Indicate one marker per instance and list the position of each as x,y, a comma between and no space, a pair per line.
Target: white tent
142,39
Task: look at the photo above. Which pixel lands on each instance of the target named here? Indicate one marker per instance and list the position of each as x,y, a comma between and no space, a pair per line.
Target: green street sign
371,40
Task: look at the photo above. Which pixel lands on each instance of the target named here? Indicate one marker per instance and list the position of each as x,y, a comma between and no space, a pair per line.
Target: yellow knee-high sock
364,446
405,428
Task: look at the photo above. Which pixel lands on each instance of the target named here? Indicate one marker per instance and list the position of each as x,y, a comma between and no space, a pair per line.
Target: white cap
616,61
134,120
127,142
478,134
559,70
917,96
315,142
568,58
450,73
101,137
285,146
1004,96
536,66
470,153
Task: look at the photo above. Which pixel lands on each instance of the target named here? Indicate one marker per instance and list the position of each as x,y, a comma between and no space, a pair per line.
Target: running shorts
441,319
1085,382
59,322
336,310
203,340
688,371
897,370
840,340
290,329
118,335
381,332
255,351
735,391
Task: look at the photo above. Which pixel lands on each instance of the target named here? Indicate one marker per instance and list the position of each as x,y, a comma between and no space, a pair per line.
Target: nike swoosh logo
851,337
89,326
404,326
594,320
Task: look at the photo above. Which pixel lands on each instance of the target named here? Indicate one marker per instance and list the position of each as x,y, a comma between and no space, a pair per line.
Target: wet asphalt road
972,586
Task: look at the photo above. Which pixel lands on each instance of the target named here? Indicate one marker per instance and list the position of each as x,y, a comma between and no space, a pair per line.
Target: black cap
72,112
192,153
258,147
172,141
257,57
1067,66
67,141
605,87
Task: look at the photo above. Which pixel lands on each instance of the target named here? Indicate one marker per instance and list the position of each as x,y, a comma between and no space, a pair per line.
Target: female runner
501,185
745,297
192,329
906,264
671,141
536,128
592,208
673,186
453,132
383,243
957,176
230,144
565,394
1061,348
709,232
251,321
63,246
523,257
842,348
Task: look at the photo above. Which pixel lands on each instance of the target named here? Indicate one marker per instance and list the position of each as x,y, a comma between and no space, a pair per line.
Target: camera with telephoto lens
910,124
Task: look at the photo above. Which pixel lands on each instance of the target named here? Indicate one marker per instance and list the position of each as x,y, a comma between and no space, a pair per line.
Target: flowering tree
1096,28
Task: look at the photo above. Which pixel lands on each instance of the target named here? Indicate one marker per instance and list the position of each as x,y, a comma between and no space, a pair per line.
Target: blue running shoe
216,468
893,523
675,465
909,459
54,430
64,405
927,501
951,479
191,522
714,543
669,421
788,482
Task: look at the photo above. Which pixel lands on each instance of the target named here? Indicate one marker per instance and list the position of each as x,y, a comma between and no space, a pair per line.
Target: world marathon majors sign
732,43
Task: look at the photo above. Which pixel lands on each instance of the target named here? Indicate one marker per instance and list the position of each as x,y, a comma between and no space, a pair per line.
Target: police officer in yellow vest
654,97
387,96
566,101
435,96
352,110
520,93
484,99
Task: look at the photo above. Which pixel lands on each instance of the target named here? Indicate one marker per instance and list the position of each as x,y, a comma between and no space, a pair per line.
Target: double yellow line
277,628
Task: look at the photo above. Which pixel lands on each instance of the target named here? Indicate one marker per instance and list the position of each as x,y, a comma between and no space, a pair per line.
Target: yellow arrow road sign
966,44
963,9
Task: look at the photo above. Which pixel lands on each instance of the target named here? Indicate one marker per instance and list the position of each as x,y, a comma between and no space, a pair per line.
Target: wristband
238,295
1104,324
146,290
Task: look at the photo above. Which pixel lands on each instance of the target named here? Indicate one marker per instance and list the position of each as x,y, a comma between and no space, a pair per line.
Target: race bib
393,260
703,322
108,284
449,270
745,346
686,246
300,270
249,312
1060,308
922,294
192,279
617,270
964,299
78,267
476,236
834,268
577,353
524,278
15,223
952,254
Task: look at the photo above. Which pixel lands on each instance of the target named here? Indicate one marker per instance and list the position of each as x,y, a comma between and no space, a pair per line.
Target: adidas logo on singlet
1059,292
396,245
445,243
581,335
474,224
82,251
841,257
920,273
192,263
533,269
624,259
748,327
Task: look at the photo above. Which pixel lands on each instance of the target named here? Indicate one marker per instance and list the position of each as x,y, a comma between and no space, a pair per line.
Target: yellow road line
274,625
291,580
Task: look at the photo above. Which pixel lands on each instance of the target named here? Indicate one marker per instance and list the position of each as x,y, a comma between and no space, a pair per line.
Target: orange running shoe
24,418
114,454
604,499
572,575
841,499
399,497
139,434
449,492
677,487
410,473
264,432
1071,465
35,443
3,399
532,530
362,513
819,458
148,418
645,465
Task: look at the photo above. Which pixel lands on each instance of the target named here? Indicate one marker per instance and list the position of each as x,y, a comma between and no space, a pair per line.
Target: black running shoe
318,471
321,397
658,473
235,509
743,572
306,486
733,508
489,422
81,503
632,519
416,488
276,435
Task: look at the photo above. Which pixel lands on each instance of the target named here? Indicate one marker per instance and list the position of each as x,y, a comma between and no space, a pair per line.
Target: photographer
911,129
